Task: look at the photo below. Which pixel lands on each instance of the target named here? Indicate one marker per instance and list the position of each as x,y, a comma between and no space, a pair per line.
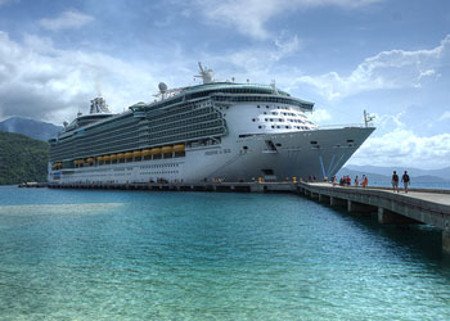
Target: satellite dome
162,87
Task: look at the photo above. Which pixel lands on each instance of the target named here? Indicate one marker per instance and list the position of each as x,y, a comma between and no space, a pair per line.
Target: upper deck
225,91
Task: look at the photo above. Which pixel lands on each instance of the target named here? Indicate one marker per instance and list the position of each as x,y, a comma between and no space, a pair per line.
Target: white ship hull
249,158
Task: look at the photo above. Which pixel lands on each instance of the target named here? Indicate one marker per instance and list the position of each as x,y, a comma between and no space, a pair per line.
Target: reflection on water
57,209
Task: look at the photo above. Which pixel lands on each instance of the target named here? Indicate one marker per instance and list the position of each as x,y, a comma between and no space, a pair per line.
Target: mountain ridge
443,173
32,128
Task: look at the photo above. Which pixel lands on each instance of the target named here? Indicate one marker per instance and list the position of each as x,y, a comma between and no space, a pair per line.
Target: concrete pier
261,187
430,207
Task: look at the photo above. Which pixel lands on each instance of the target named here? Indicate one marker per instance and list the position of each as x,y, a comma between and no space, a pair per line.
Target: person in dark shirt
406,181
394,182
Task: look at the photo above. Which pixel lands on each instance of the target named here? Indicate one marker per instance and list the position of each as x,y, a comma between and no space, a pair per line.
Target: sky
389,57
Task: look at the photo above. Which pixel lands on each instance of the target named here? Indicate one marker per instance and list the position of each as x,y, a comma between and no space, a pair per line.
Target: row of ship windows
281,120
68,149
160,172
159,166
113,126
285,114
278,107
287,127
190,114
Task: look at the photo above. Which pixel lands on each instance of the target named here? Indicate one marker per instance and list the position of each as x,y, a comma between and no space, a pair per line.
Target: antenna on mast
205,74
368,118
274,87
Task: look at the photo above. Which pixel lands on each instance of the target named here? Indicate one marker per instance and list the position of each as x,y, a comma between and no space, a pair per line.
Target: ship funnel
98,106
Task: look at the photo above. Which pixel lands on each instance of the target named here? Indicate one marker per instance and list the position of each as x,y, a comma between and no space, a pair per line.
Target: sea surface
139,255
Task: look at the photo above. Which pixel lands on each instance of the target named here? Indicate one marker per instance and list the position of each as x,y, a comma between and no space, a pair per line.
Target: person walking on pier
394,182
406,180
365,181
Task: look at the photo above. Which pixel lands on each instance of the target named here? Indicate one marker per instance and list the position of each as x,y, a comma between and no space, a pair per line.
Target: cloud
395,144
320,115
40,81
402,147
445,116
250,16
386,70
256,59
70,19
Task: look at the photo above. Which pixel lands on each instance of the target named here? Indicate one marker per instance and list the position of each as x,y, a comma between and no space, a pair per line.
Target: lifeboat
99,159
178,148
167,150
106,158
90,160
137,153
128,155
155,151
113,157
146,152
120,156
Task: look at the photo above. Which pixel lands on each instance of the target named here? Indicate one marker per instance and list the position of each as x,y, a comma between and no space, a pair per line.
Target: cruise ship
212,132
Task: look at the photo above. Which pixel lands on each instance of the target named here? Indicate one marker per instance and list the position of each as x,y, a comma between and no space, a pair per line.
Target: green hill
22,159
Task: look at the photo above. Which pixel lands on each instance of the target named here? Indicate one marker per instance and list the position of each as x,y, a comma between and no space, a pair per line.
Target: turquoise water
118,255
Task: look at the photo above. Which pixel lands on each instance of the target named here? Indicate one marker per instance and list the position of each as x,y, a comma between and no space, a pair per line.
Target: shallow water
118,255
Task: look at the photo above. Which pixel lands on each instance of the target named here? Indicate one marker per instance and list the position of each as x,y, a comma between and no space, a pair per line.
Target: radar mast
368,118
205,74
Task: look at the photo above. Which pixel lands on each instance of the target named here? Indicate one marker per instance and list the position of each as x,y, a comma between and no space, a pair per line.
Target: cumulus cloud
257,59
70,19
320,115
394,143
402,147
40,81
386,70
250,16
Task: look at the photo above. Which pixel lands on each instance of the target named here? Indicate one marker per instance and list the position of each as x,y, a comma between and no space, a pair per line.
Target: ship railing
337,126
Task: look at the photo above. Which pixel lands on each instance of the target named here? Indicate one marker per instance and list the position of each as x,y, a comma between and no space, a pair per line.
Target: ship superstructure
216,131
